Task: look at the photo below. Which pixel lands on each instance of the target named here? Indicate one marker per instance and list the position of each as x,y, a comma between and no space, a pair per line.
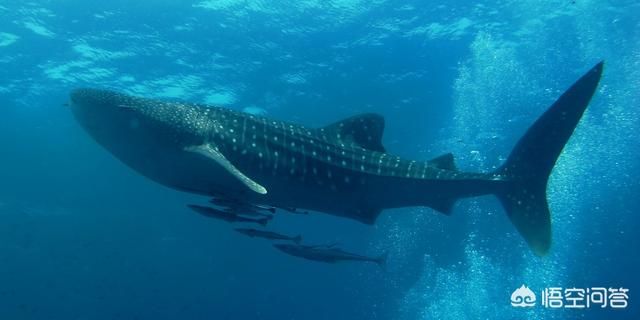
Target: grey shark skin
341,169
226,216
253,233
327,254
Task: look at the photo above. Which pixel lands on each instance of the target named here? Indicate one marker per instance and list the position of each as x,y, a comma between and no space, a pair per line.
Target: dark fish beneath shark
226,216
236,205
247,212
294,210
328,254
341,169
269,235
239,206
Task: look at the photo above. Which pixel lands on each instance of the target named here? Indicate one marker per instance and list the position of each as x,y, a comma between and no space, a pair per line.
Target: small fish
269,235
226,216
328,254
293,210
247,212
239,205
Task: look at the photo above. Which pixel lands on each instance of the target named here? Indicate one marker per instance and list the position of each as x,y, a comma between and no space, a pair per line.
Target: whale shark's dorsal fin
444,161
363,130
215,155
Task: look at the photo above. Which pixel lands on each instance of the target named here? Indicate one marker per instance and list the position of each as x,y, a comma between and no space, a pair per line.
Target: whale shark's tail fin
531,161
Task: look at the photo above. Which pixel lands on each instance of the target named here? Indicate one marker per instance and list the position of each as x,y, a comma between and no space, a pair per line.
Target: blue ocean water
82,236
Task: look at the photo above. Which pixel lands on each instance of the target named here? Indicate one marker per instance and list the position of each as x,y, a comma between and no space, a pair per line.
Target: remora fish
234,205
268,235
341,169
246,212
293,210
226,216
327,254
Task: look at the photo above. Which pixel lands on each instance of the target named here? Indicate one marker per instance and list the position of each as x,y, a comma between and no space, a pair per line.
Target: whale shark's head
164,141
119,121
103,113
137,131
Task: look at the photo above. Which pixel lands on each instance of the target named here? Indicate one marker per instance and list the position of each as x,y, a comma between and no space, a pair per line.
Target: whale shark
341,169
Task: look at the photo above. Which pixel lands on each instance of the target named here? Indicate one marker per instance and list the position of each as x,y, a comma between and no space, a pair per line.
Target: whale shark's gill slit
244,130
284,135
303,161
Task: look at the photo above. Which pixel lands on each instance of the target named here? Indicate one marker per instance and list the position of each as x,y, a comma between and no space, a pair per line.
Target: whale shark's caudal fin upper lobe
531,161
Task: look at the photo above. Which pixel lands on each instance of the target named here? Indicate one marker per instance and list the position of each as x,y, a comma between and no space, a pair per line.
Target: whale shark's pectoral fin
215,155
